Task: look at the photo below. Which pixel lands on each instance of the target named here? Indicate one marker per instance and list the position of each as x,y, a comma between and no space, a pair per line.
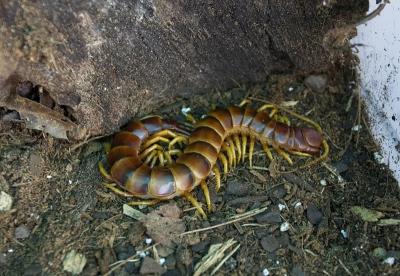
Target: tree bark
109,61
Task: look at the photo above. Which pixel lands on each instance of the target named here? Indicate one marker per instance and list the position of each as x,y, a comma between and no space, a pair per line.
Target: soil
60,205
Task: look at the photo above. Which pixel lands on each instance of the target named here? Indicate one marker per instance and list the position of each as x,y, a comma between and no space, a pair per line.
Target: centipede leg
176,140
244,146
149,150
196,204
224,162
226,148
238,146
161,158
217,174
154,161
244,102
233,151
155,140
267,151
284,155
168,157
103,172
150,157
113,188
251,150
206,193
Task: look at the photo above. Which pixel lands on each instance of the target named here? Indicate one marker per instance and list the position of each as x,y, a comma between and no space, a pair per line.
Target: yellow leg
224,161
150,149
167,132
190,118
175,152
154,161
196,204
233,151
113,188
266,106
176,140
251,150
144,202
104,173
226,148
244,102
161,158
267,151
206,192
284,155
168,157
150,157
244,146
217,174
155,140
299,153
238,146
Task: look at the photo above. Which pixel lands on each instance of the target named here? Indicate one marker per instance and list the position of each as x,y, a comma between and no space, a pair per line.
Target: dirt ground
307,226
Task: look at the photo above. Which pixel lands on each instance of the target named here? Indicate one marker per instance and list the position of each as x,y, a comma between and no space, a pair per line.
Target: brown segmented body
202,151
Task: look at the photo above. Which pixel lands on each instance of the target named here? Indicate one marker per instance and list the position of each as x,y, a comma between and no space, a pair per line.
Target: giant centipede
223,135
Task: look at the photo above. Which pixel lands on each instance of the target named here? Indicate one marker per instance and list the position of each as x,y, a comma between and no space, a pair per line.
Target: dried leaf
387,222
289,103
132,212
367,214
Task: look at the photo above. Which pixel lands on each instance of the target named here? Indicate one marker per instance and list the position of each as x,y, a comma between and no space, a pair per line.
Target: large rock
104,62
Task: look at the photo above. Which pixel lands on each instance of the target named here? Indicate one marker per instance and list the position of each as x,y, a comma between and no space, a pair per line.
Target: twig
224,260
344,267
73,148
242,217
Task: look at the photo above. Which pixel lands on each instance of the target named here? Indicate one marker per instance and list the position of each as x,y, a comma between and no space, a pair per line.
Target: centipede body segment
219,141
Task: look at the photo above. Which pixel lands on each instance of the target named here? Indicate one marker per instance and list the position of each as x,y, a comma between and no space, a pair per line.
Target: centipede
140,167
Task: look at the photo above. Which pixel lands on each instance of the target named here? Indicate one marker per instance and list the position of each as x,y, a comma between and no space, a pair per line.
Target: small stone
170,262
270,217
297,271
322,182
279,192
21,232
164,251
5,201
269,243
237,188
389,261
201,246
284,226
74,262
379,252
150,266
265,272
314,215
316,83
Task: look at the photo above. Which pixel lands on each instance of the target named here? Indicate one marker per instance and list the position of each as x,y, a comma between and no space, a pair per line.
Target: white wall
380,79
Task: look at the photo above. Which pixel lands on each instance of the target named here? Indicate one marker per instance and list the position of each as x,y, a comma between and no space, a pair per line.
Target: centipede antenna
244,102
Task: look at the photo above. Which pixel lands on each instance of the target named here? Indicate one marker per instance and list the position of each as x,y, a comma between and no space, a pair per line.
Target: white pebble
148,241
284,226
290,89
5,201
356,128
141,253
281,206
69,182
322,182
389,261
10,250
297,205
265,272
379,158
185,110
162,261
49,177
344,234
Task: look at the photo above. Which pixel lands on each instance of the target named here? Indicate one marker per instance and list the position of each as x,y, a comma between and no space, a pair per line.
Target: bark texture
108,61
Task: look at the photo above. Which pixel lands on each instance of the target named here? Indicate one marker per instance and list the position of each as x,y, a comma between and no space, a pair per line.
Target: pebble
201,246
150,266
279,192
170,262
269,243
5,201
284,226
314,215
389,261
316,83
269,217
322,182
74,262
164,251
265,272
237,188
297,271
21,232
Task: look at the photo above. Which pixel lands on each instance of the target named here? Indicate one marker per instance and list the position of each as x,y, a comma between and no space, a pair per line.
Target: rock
150,266
314,215
279,192
237,188
269,243
379,253
297,271
21,232
316,83
170,262
201,246
164,251
74,262
5,201
269,217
